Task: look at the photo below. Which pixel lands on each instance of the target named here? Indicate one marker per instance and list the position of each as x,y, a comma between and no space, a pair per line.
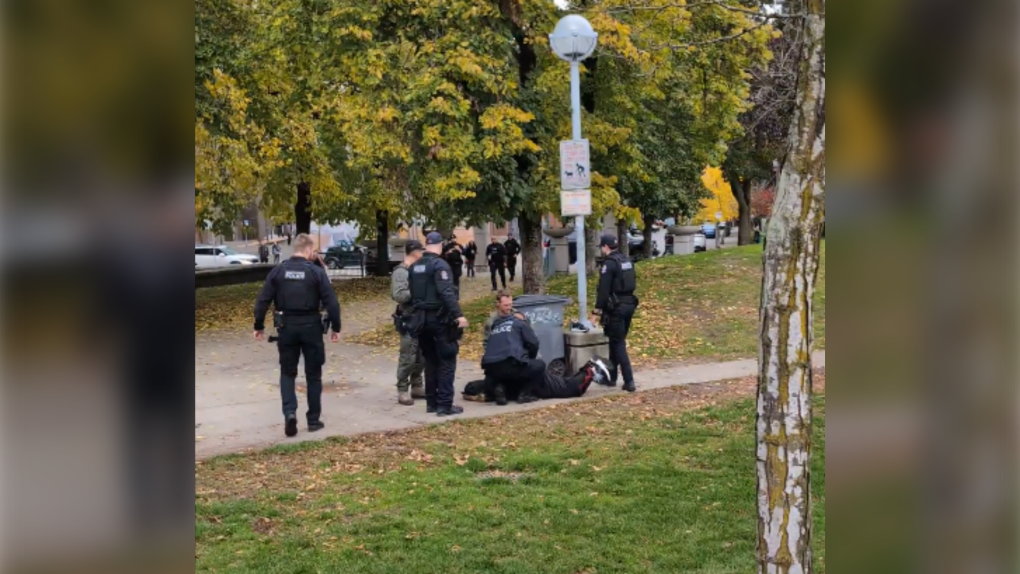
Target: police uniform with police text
434,297
297,288
617,302
510,359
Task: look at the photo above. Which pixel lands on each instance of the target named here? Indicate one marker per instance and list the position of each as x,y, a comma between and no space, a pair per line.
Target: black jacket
315,280
617,276
513,248
495,253
510,338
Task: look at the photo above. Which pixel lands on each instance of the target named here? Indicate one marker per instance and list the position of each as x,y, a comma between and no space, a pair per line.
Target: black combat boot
449,411
430,407
500,395
290,427
629,387
315,426
525,398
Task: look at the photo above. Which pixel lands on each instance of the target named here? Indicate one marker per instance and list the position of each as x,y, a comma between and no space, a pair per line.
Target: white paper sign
575,202
575,165
718,216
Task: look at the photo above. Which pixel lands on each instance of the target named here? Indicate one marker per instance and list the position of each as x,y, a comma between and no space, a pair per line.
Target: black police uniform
513,249
434,297
617,302
509,359
297,288
496,255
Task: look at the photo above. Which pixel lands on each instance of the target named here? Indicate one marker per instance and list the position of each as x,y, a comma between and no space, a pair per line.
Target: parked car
344,254
708,229
221,256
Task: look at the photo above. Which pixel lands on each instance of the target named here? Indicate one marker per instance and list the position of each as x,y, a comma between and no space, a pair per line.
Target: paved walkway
237,401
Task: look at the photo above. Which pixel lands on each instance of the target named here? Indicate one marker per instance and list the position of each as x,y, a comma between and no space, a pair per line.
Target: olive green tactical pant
411,367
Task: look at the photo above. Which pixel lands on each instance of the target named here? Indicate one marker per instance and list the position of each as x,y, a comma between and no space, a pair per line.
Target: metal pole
582,280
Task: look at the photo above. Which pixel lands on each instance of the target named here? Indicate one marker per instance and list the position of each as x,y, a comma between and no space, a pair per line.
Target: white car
221,256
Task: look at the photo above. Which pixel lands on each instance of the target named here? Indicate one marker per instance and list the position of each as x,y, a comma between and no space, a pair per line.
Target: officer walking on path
513,249
297,288
616,304
411,365
437,322
495,254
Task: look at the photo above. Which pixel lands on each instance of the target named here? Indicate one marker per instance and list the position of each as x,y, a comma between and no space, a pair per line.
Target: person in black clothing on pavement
616,304
437,316
495,254
453,254
510,363
470,253
513,249
297,288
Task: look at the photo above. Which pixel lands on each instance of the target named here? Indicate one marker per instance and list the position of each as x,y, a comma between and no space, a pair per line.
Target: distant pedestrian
276,253
470,253
263,252
288,239
453,253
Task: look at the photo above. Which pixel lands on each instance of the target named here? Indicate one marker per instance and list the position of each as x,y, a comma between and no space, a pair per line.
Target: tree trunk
592,234
382,246
742,191
621,237
532,271
303,208
784,417
647,246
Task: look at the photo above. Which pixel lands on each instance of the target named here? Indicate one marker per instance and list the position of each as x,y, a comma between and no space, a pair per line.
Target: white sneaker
600,371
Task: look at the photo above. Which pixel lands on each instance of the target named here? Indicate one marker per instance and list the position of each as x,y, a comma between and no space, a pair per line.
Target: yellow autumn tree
721,200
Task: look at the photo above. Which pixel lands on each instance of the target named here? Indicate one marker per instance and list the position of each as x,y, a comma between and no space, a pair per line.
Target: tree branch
704,3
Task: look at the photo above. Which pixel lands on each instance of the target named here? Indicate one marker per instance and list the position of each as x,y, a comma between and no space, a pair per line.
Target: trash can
545,312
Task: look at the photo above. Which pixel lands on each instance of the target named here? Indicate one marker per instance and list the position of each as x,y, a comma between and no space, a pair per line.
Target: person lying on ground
552,386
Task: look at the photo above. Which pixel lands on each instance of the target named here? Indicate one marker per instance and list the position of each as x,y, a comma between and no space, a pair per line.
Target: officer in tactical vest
510,363
297,288
438,322
616,304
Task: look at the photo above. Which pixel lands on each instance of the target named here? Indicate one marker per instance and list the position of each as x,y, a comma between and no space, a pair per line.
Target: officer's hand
259,335
594,319
334,337
462,322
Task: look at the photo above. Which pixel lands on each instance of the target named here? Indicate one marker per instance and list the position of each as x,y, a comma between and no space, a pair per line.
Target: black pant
296,339
515,376
616,325
440,353
557,387
457,271
493,268
470,267
511,264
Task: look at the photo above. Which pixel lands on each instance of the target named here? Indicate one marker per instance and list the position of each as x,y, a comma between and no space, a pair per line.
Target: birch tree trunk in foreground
784,352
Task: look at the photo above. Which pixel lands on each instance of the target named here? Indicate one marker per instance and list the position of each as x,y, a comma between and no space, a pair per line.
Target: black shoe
629,387
526,398
315,426
449,411
430,408
500,395
290,427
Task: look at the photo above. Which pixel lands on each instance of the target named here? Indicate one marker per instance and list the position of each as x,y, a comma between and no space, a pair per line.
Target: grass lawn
662,481
693,307
231,306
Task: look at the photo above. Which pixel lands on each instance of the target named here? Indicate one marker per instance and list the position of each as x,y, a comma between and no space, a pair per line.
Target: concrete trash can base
545,313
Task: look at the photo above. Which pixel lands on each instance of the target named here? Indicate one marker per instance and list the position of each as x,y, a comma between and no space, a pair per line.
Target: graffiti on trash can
544,316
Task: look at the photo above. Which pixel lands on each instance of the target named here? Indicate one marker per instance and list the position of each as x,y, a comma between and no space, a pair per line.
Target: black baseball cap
608,241
434,238
412,246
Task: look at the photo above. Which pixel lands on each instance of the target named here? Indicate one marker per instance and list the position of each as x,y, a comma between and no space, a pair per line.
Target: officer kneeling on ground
509,362
297,288
438,323
511,367
616,304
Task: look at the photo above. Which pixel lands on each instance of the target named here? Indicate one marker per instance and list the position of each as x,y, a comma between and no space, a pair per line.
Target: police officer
616,304
510,363
513,249
495,254
297,288
437,316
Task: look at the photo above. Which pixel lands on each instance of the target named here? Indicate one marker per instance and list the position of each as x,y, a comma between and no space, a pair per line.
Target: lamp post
573,40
